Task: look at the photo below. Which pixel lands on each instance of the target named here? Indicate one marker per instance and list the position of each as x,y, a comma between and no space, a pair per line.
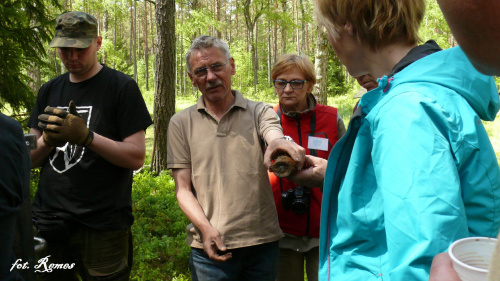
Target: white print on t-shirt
69,155
317,143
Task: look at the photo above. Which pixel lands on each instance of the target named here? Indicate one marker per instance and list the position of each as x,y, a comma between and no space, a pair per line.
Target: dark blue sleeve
15,167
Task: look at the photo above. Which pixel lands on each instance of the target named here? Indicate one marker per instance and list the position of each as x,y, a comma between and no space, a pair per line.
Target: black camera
30,140
296,199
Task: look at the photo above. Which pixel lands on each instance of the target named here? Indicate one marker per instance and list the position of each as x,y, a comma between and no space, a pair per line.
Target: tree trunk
134,37
164,107
283,29
218,7
275,45
114,36
251,23
303,28
181,64
106,26
321,67
236,27
131,31
36,79
146,57
56,69
269,61
255,60
151,27
296,17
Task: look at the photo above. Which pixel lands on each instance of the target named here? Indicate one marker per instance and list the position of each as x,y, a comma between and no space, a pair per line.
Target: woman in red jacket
317,128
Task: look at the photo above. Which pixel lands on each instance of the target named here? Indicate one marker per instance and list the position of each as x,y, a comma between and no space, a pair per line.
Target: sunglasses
295,84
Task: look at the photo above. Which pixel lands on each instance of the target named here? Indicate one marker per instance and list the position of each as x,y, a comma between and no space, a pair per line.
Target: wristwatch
288,138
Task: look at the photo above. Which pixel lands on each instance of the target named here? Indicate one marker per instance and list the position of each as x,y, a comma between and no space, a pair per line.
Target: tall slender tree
134,38
252,10
321,67
164,107
284,29
146,57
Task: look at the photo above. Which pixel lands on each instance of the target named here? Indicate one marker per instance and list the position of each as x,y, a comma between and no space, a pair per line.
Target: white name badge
317,143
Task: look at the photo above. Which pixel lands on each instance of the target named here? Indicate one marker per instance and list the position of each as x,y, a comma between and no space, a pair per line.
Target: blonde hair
289,61
376,22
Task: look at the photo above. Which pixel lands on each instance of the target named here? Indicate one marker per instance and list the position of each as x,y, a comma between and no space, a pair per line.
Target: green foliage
337,82
199,23
243,62
493,130
53,64
282,18
184,102
160,250
24,27
344,104
141,73
434,26
34,179
117,55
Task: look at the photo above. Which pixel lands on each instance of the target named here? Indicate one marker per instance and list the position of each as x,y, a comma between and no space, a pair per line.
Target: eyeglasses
215,68
295,84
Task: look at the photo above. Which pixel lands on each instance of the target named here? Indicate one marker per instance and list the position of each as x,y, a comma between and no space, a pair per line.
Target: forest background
147,40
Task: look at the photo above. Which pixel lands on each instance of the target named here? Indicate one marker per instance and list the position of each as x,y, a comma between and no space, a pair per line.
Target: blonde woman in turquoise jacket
415,170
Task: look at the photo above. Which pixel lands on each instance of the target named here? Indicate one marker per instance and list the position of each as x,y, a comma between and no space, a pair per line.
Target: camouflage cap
74,29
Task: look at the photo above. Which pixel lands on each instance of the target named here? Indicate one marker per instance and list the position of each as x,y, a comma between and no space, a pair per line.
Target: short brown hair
289,61
377,22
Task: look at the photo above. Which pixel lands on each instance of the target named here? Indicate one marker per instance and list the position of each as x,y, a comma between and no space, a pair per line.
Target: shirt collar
239,101
311,104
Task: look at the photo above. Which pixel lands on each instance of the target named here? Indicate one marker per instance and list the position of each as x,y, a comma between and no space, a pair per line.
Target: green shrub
160,250
34,179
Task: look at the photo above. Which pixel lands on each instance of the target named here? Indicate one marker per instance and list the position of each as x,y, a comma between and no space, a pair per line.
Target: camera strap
313,152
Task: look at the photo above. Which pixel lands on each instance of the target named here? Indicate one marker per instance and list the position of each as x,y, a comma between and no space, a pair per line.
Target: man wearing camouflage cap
90,124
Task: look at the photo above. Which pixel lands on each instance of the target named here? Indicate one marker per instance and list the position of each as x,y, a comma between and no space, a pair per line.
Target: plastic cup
471,257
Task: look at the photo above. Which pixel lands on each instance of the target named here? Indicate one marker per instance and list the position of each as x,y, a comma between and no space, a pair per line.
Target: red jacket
320,122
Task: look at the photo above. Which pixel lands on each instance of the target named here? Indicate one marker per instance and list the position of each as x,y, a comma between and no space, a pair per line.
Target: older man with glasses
216,153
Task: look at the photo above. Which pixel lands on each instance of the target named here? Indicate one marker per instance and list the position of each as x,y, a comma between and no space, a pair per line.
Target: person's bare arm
314,175
276,143
191,207
128,153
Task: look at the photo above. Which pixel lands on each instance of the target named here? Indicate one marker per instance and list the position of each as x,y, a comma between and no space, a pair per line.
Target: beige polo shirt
228,176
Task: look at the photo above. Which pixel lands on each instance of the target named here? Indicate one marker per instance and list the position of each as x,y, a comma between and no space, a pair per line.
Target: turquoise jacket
421,175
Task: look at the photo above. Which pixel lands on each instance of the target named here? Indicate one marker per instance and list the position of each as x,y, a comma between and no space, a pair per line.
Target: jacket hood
451,68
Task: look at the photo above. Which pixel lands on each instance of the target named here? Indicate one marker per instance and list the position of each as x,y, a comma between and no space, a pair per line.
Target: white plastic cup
471,257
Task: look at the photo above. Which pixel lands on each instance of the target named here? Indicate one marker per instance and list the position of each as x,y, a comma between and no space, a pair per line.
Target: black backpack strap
313,152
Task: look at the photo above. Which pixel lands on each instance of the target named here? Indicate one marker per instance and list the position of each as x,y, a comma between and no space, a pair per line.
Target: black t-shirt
15,165
76,182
